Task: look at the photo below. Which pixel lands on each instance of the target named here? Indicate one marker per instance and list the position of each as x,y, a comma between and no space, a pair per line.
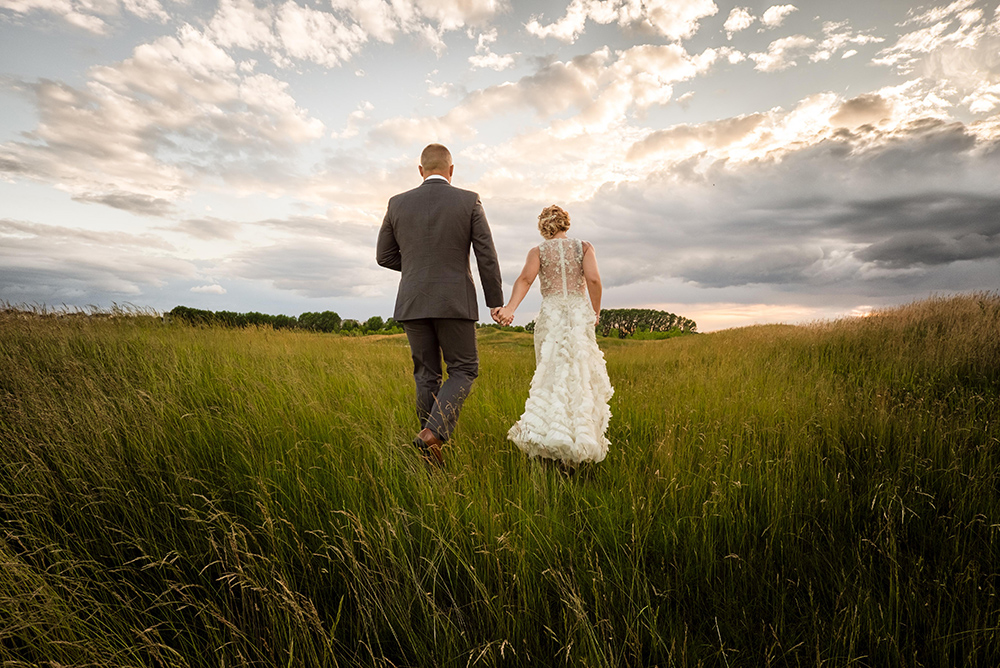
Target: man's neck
437,176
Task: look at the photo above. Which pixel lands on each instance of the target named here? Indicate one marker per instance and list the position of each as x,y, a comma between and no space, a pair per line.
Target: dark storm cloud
864,211
927,248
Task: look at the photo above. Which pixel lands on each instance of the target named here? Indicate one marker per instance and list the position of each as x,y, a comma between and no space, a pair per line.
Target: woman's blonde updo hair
552,221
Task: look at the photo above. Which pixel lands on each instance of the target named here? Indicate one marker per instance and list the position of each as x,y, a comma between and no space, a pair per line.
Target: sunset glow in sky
732,163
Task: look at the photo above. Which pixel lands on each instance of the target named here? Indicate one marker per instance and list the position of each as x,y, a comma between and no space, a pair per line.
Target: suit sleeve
486,257
387,251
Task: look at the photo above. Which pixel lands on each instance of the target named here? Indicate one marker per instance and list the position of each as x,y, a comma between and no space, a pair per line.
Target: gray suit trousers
438,405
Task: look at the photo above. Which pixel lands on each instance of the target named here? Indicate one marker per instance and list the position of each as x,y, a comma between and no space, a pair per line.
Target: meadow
821,495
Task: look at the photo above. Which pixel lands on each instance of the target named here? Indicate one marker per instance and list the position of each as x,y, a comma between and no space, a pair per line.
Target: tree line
631,323
628,322
621,323
325,321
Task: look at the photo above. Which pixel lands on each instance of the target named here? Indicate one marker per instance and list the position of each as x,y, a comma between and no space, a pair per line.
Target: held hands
502,315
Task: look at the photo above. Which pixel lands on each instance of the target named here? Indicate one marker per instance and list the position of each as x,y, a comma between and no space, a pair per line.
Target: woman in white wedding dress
567,411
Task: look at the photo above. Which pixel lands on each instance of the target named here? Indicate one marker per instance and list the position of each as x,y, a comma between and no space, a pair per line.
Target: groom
426,235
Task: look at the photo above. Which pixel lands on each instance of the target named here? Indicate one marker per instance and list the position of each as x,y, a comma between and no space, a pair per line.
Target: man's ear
421,169
451,171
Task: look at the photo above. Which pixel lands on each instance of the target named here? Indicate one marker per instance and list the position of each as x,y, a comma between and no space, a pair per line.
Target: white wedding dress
567,411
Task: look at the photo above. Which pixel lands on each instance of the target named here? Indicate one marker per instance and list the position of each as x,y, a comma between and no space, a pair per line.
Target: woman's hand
505,316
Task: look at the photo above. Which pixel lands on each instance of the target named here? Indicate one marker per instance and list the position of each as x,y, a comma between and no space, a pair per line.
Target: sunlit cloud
739,19
673,19
775,15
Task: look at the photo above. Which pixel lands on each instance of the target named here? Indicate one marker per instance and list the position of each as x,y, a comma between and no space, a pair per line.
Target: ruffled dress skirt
567,413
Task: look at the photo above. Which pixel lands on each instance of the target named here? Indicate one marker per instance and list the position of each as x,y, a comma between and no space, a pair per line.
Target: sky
735,164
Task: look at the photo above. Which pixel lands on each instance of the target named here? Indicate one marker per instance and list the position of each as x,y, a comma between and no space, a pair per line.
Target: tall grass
826,495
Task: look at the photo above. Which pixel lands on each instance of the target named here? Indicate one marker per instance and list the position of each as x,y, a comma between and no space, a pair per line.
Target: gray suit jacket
426,234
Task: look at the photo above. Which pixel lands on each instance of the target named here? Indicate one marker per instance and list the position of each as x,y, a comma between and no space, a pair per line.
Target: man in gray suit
426,235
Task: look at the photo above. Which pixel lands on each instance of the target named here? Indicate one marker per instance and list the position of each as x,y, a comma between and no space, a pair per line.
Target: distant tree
374,324
327,321
285,322
628,321
193,316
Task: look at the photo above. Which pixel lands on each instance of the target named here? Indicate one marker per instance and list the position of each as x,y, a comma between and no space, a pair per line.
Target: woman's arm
521,285
592,276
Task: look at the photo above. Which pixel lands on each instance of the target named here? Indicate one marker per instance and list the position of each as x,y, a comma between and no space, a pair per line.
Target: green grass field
826,495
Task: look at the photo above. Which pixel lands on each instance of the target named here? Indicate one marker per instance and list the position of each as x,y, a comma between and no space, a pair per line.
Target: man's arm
387,252
486,257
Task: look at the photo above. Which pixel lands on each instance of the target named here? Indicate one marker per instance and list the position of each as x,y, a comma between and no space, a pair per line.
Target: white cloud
673,19
486,58
787,51
212,289
139,133
354,121
739,19
600,88
984,99
837,36
289,31
90,15
775,15
782,53
954,25
936,14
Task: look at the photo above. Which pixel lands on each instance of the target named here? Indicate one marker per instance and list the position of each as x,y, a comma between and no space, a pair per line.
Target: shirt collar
435,176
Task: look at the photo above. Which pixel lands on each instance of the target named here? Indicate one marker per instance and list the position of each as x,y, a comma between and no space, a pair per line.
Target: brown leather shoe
430,447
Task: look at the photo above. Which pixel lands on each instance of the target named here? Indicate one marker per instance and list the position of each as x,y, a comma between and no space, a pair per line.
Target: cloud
141,132
838,36
687,140
208,228
486,58
317,258
212,289
956,25
775,15
288,31
673,19
739,19
354,121
782,53
57,264
142,205
554,88
957,49
603,89
891,209
90,16
863,109
787,51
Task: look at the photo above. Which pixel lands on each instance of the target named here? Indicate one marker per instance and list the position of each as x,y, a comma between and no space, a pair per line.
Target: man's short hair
435,158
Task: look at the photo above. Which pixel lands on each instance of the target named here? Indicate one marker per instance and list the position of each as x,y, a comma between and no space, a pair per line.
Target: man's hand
502,316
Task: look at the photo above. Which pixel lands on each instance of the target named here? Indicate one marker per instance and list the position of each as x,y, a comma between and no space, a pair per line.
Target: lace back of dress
561,267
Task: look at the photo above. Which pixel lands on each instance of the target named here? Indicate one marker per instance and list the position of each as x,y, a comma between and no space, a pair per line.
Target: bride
567,411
